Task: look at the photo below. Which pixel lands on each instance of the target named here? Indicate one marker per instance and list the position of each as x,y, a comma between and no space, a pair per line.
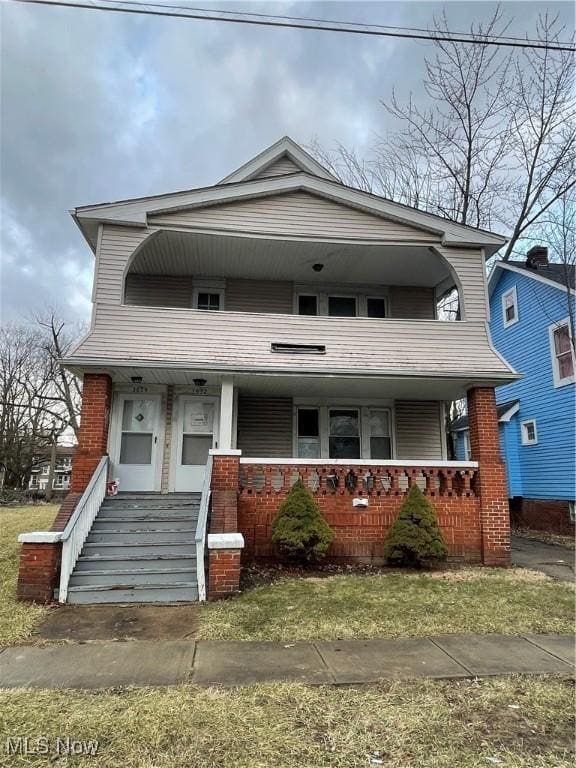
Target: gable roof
551,274
284,147
135,212
504,411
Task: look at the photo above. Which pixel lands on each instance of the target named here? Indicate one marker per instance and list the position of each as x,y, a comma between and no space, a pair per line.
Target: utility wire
158,9
185,7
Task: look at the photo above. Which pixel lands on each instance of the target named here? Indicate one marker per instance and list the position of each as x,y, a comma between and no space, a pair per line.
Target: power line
152,9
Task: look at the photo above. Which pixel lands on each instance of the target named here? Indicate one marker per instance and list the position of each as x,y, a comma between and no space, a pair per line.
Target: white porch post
226,413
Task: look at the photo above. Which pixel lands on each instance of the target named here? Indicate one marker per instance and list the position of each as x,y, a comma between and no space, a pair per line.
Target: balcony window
380,435
342,306
210,301
307,304
375,307
344,434
308,433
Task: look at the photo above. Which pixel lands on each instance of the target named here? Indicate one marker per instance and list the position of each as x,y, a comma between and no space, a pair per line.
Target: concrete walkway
336,662
551,559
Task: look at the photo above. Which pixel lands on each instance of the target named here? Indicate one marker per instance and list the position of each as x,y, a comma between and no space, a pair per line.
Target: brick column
94,420
492,486
224,542
39,568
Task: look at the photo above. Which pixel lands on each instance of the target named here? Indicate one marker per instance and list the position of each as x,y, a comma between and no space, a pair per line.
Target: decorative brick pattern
223,573
491,481
170,428
94,420
39,572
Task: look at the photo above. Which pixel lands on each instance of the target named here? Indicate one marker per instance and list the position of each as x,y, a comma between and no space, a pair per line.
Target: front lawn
394,604
515,722
17,620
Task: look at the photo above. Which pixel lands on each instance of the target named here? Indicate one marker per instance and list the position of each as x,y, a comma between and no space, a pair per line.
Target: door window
197,431
344,434
138,423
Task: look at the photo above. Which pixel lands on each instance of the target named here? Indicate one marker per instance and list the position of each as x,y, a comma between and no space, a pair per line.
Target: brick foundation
39,572
360,533
548,515
94,421
491,482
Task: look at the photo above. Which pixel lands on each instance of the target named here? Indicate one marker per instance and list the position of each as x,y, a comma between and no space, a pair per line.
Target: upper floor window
529,433
307,304
375,306
208,294
562,352
510,307
341,304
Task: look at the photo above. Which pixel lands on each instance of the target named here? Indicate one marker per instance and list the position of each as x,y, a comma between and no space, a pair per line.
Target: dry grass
17,620
352,605
513,722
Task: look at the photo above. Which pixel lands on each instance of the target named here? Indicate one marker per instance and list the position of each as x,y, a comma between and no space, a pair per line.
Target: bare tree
39,401
494,143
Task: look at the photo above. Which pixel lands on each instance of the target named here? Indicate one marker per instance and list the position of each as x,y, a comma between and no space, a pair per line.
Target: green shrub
415,539
299,530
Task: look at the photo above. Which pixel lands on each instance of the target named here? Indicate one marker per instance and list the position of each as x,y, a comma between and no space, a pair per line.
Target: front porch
242,441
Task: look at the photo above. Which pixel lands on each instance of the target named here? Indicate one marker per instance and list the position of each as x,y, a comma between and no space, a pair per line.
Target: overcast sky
102,106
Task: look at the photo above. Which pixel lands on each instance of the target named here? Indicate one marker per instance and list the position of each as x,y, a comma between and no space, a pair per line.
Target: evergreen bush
415,539
299,530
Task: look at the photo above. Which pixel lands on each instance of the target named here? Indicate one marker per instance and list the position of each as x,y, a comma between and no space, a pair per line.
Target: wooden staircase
140,549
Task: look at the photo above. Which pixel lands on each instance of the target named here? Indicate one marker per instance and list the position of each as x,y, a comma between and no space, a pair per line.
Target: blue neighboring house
530,328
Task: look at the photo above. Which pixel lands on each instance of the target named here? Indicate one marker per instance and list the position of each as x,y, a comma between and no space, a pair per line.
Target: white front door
196,423
137,443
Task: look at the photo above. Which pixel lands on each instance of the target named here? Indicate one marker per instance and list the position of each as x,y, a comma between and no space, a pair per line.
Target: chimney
537,257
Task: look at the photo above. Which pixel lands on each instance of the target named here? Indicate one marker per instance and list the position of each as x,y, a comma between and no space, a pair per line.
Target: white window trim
208,285
363,407
558,382
511,292
523,436
325,292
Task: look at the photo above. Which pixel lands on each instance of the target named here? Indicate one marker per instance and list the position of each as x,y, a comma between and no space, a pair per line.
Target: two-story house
530,305
276,325
40,473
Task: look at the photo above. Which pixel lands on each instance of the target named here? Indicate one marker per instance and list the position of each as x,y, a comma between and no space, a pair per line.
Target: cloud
101,106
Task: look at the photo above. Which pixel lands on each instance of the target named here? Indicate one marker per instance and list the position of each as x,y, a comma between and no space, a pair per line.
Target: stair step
154,517
148,537
147,508
138,548
140,576
132,562
179,592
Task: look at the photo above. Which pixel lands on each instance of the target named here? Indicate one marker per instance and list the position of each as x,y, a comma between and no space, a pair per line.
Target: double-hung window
529,433
510,307
562,353
344,433
308,433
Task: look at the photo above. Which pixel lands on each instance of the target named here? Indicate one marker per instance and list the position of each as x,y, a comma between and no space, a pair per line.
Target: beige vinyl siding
242,340
418,430
116,248
295,213
412,303
265,427
470,268
259,296
158,291
280,167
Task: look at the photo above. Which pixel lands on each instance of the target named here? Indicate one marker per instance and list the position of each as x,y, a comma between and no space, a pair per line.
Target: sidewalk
336,662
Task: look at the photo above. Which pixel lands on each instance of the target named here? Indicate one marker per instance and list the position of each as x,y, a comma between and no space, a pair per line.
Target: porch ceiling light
136,379
317,267
199,382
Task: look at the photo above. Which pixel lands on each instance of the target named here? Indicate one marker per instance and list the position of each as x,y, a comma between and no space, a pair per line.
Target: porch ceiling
352,388
196,253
